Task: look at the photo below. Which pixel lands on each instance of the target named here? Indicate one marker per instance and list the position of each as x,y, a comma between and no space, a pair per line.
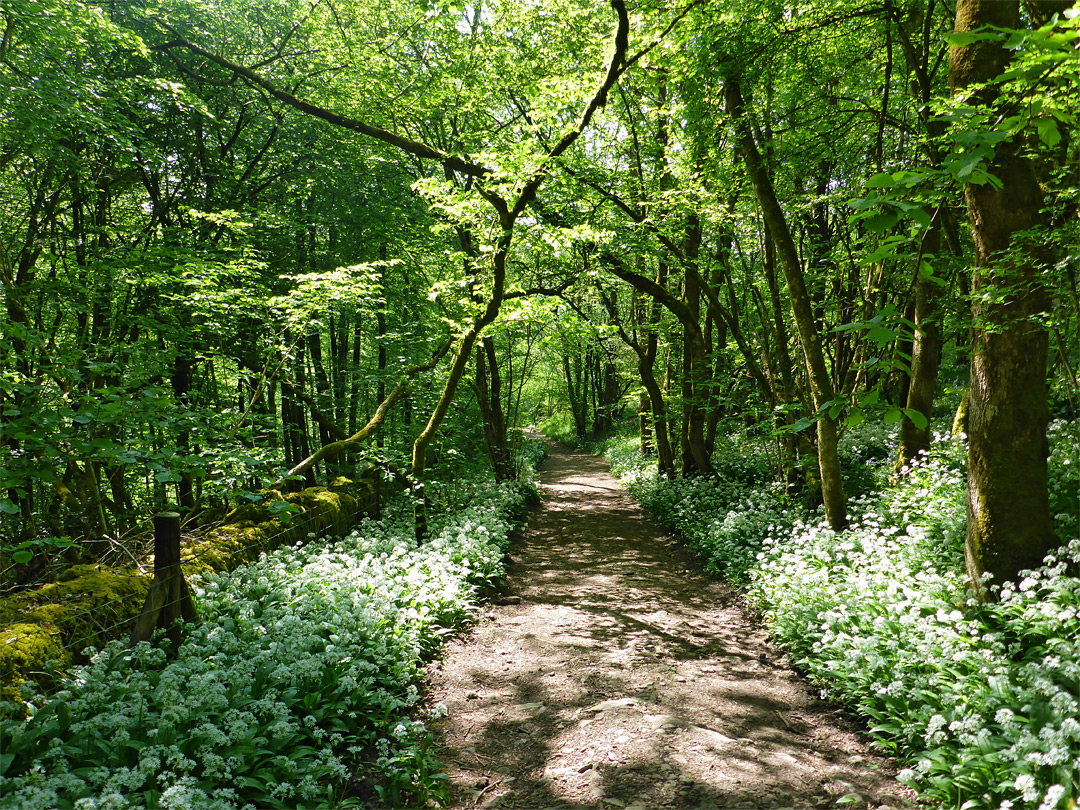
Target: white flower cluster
301,673
984,700
983,697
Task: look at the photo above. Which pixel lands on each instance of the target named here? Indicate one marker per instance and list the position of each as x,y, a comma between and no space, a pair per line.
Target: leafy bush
560,427
301,676
1064,463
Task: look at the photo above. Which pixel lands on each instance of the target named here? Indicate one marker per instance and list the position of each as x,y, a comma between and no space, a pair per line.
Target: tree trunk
380,322
645,434
695,455
653,397
489,397
181,384
355,374
323,394
575,390
665,458
821,388
1009,526
925,356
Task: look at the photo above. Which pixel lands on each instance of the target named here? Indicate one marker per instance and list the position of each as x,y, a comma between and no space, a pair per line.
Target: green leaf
63,716
7,507
855,418
880,223
22,556
881,335
916,417
881,181
886,249
1048,131
961,39
921,217
892,415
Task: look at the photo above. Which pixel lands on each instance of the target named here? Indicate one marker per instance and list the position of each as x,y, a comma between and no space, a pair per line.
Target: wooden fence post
169,598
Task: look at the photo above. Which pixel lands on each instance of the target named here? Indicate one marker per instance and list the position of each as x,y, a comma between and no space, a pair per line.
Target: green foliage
301,676
979,698
560,427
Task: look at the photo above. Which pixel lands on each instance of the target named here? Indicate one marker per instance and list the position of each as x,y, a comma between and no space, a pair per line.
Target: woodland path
616,675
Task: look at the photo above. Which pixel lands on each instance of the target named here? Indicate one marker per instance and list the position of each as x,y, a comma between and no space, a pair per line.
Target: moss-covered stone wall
44,631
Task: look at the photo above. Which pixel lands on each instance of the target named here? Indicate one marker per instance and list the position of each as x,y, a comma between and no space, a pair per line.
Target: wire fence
47,664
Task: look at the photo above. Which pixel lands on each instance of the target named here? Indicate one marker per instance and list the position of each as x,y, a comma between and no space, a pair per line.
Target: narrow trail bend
624,678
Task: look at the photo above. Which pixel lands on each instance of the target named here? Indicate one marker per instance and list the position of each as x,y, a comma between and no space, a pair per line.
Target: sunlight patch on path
627,679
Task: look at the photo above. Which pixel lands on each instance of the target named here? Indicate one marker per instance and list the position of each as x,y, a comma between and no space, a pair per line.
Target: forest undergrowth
980,701
298,688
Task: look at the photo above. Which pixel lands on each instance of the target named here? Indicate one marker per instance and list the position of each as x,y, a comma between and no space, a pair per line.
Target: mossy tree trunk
1009,526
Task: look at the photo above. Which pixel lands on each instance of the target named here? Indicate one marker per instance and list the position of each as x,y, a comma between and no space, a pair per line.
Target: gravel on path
615,674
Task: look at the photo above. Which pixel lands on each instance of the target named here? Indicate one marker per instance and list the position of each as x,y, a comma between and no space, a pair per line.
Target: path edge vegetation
299,687
44,631
973,696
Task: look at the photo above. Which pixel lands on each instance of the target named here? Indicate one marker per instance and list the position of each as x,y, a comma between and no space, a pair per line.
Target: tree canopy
236,235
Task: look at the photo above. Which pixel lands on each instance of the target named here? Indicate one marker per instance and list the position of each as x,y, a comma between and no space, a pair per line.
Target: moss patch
44,631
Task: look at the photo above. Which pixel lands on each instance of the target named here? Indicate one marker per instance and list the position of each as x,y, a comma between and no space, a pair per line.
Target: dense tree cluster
247,245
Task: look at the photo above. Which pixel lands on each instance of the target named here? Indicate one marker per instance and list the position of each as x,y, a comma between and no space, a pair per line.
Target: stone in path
625,679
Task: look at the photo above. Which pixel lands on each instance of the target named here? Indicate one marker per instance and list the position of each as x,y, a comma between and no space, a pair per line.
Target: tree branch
421,150
353,442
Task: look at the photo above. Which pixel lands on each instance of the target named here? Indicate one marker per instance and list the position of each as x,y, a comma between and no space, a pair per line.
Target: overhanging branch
417,148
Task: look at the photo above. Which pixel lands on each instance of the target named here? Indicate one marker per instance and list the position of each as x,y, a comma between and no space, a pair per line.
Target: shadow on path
627,679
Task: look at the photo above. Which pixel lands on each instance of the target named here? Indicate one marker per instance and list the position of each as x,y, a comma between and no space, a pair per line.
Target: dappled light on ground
625,679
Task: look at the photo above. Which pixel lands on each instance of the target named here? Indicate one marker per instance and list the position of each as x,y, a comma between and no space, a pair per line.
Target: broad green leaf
892,415
916,417
1048,131
921,217
881,181
881,335
880,223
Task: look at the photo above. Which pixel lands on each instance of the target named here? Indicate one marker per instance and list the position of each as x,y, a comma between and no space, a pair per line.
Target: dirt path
624,678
